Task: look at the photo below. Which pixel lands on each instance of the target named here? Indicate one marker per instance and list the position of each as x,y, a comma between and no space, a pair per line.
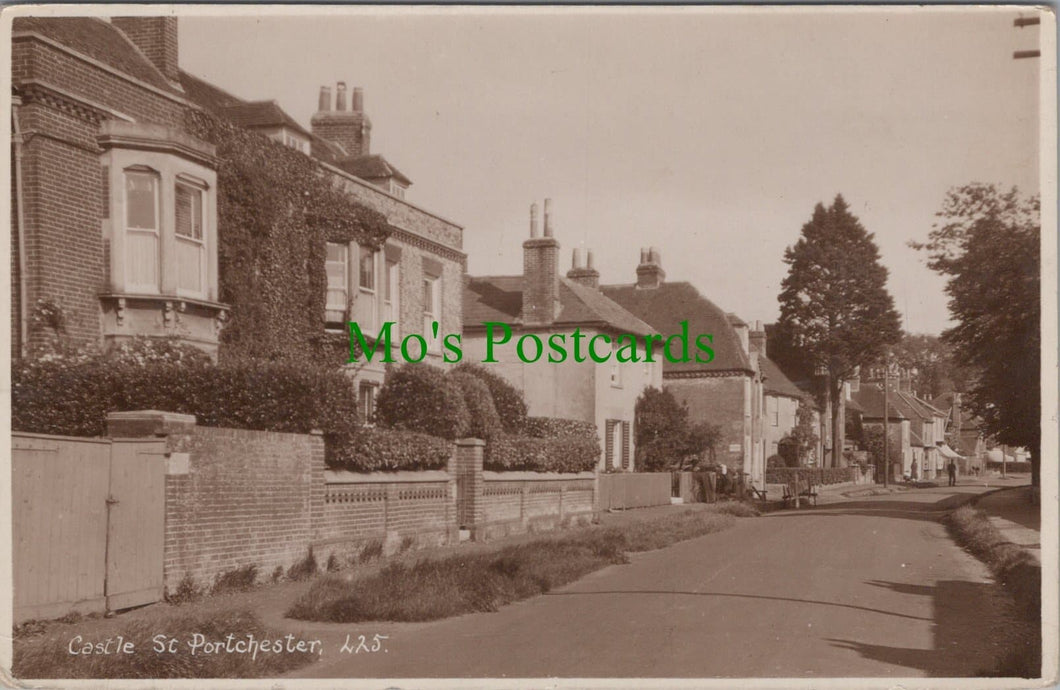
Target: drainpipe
16,139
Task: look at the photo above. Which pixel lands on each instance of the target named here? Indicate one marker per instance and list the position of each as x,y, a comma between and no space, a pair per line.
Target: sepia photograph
529,346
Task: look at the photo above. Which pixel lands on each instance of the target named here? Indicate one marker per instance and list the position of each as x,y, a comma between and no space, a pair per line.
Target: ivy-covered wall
276,209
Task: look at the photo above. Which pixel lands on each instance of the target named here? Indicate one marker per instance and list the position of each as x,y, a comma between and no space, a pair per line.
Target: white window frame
392,295
369,294
199,243
130,232
335,306
432,312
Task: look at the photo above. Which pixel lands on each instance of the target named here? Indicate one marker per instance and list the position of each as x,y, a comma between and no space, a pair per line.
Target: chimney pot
534,231
340,96
644,255
324,103
589,259
548,217
653,256
358,100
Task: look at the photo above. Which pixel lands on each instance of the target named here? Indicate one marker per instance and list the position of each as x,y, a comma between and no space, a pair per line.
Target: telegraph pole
886,423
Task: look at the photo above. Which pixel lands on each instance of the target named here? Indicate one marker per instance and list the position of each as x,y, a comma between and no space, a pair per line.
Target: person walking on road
951,469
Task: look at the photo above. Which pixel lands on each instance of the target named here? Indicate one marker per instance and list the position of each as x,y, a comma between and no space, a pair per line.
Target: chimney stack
650,273
156,37
350,129
757,339
582,271
540,272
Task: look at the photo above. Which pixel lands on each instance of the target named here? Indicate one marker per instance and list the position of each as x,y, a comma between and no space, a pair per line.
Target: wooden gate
88,524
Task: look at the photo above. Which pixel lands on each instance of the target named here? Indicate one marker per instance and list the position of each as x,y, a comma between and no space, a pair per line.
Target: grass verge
450,586
48,654
1018,572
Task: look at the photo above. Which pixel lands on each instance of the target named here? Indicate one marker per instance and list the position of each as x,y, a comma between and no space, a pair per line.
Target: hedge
507,399
374,450
485,423
1014,467
73,396
821,475
420,397
563,454
552,427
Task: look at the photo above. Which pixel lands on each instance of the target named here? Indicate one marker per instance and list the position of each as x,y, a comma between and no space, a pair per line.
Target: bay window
432,311
143,229
368,300
191,243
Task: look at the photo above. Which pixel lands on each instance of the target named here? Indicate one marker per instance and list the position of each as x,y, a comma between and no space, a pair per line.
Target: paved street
868,587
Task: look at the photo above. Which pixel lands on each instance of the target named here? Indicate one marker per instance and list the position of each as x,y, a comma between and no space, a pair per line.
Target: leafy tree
664,438
802,439
987,242
930,360
835,311
872,440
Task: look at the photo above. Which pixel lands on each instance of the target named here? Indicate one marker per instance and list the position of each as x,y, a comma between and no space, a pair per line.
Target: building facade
541,305
115,221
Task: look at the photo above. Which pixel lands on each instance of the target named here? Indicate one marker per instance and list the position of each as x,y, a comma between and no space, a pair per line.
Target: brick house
727,391
917,425
780,402
543,303
115,204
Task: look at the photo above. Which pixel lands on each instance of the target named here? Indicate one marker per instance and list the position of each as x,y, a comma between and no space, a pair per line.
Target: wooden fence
633,490
87,524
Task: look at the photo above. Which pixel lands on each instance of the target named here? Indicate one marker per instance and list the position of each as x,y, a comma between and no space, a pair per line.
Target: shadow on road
813,602
959,649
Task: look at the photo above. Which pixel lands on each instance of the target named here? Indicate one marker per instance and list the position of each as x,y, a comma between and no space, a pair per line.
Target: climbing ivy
276,209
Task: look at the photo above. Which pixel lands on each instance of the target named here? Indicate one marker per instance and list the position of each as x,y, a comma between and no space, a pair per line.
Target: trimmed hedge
553,427
375,450
485,422
525,453
420,397
821,475
73,396
507,399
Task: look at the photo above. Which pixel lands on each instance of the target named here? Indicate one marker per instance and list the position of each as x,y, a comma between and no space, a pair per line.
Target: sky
709,134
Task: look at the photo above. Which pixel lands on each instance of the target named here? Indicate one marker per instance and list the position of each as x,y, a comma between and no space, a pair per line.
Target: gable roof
261,114
775,382
99,40
666,306
372,167
207,95
500,298
870,398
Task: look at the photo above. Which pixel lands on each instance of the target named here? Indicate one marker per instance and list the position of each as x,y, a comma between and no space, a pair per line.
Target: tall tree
929,359
834,304
988,242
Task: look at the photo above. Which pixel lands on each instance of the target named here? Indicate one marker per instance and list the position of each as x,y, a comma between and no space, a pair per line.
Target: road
869,587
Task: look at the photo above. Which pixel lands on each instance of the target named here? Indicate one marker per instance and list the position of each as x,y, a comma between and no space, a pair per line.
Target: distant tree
987,242
930,359
835,311
663,436
803,436
872,441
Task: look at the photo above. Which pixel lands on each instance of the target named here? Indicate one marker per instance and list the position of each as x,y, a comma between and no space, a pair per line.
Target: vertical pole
886,423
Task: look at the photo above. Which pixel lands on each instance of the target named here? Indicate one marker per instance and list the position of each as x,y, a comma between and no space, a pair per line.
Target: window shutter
609,443
625,446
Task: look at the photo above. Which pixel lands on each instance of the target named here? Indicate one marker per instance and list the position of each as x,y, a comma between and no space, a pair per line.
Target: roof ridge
165,80
576,288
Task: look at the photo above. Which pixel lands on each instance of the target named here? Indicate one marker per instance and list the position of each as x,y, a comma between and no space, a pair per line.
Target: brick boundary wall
518,502
236,497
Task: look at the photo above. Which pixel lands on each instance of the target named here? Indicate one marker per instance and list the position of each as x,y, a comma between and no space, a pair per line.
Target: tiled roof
774,380
870,398
261,114
666,306
500,298
100,40
206,95
372,167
